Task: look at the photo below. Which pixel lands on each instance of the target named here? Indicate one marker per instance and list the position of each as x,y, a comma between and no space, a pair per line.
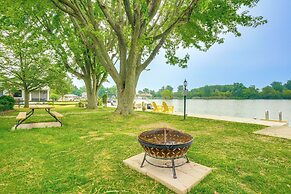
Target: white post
267,117
280,116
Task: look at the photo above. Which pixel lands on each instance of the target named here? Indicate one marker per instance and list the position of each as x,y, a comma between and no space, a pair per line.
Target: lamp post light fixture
185,94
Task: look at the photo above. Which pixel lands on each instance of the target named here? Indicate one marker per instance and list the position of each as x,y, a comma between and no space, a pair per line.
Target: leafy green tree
287,85
63,86
153,93
287,94
278,86
194,93
268,92
206,91
57,29
179,93
73,53
111,91
168,87
101,91
238,89
167,94
250,92
104,99
78,91
133,32
54,96
180,88
24,62
158,94
146,91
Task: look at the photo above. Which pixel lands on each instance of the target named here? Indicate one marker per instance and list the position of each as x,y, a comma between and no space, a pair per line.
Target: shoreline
236,119
269,123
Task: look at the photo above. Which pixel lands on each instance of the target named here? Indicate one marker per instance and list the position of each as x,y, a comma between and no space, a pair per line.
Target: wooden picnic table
46,107
24,116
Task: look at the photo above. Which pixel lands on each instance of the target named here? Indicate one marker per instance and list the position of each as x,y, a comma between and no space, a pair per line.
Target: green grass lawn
86,154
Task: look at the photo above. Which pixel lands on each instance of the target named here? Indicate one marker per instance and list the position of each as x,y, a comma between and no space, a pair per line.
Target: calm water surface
235,108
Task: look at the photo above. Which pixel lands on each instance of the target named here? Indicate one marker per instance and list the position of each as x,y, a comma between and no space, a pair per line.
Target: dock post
280,116
267,117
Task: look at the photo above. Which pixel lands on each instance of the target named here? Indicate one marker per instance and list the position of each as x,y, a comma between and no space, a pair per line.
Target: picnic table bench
57,116
21,116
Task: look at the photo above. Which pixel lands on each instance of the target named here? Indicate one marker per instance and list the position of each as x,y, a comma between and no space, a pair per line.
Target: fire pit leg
174,170
144,158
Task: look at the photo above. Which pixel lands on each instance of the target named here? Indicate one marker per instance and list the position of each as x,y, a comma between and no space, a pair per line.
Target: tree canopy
62,87
133,32
62,40
25,63
124,36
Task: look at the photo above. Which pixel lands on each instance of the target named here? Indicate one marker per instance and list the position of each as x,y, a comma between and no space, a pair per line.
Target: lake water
234,108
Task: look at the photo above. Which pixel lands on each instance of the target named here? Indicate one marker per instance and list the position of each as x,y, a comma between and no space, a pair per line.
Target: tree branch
187,12
152,55
128,12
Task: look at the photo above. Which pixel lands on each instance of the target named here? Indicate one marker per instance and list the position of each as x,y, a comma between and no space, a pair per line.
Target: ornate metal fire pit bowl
165,144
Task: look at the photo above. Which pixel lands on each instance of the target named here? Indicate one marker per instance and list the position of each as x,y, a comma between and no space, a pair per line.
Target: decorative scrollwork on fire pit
166,144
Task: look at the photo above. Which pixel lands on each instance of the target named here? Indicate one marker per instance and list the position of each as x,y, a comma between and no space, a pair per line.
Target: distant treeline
276,90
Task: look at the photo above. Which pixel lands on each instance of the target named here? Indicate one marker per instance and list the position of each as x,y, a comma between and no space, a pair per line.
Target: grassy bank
86,154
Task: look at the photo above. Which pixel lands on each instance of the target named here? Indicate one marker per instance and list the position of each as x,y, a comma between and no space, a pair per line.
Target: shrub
104,99
100,102
54,96
6,103
2,108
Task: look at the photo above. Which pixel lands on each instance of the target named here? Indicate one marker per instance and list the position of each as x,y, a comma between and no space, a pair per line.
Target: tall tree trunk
91,94
126,93
26,98
125,98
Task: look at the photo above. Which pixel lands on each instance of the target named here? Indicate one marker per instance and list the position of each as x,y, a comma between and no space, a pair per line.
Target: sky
260,56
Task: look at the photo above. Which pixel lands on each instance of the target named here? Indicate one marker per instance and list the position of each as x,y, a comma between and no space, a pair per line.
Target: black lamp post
185,94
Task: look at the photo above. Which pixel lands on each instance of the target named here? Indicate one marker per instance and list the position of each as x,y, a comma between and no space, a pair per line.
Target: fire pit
165,144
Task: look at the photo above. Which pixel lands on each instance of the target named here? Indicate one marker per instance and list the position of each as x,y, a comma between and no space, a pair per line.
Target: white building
40,95
69,97
143,96
84,95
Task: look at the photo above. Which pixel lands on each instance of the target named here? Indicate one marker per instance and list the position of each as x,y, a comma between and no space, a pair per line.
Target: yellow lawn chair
167,109
157,108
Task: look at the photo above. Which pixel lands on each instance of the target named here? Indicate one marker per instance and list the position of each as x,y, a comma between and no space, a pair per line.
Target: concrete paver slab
283,132
188,175
37,125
